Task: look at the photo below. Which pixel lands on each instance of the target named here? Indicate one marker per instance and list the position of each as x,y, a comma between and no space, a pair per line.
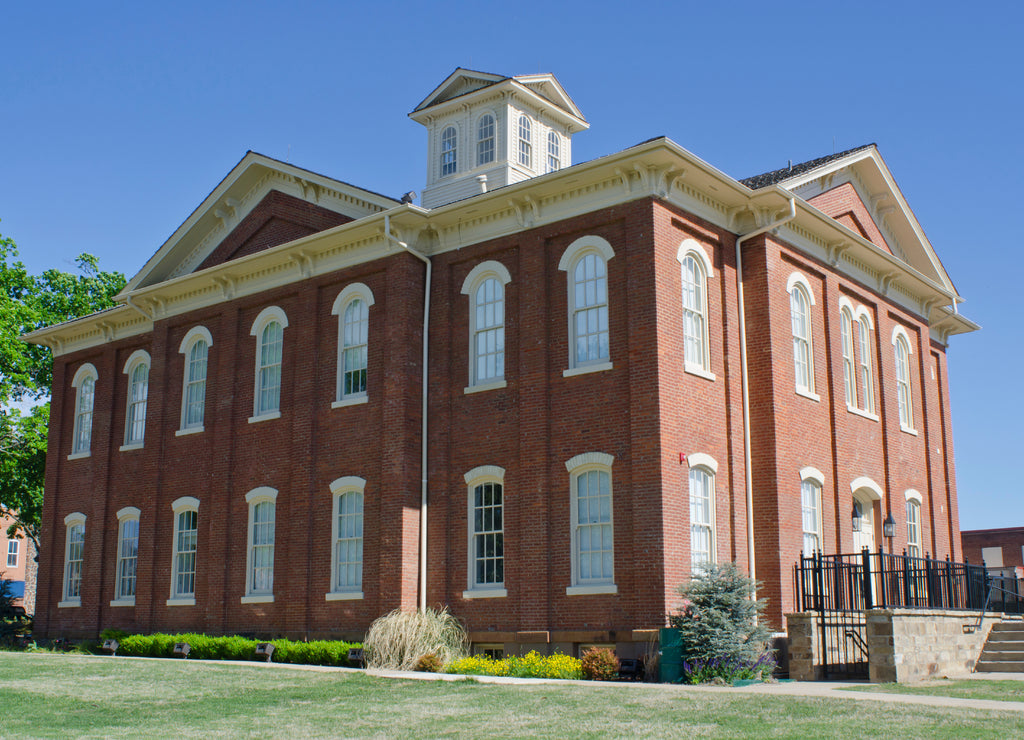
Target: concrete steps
1004,649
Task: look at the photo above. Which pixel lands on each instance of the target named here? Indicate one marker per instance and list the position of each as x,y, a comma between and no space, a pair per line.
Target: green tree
30,302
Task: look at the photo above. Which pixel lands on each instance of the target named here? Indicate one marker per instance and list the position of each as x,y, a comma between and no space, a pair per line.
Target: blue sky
119,118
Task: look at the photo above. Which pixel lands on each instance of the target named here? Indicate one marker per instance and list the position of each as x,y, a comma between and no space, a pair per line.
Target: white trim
861,412
350,292
808,394
489,268
604,588
347,483
258,599
343,596
123,602
80,455
692,246
702,460
584,369
797,278
192,337
69,603
185,502
264,417
87,369
694,369
265,317
478,476
583,246
263,493
132,446
351,401
194,334
900,331
485,593
493,386
178,507
136,359
253,498
912,495
128,512
340,487
811,473
74,518
268,314
139,355
868,486
577,466
190,430
589,459
181,602
492,472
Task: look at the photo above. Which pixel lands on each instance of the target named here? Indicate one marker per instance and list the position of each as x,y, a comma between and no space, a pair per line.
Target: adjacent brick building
238,446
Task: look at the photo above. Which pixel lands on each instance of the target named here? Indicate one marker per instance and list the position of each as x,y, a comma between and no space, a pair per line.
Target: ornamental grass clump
721,632
399,639
600,664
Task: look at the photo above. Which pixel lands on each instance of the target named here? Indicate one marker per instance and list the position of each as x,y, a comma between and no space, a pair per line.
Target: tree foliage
29,302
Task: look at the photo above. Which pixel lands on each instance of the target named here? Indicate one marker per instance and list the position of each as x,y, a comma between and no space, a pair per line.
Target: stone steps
1004,649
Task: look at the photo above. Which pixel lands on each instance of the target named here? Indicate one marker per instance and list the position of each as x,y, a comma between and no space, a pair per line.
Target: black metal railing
868,580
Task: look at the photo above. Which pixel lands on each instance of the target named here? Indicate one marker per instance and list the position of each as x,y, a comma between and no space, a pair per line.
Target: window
485,140
525,141
703,469
554,151
585,261
485,286
259,585
186,547
811,481
347,539
902,351
448,151
269,332
856,329
801,298
137,370
85,384
12,553
486,521
696,269
867,383
913,523
846,331
593,551
74,558
195,347
127,556
352,307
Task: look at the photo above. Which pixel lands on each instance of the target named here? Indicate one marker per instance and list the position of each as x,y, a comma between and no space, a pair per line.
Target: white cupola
486,131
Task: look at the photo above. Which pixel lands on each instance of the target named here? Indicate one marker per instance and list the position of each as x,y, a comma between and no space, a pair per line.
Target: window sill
343,596
808,394
265,417
132,446
183,601
699,371
860,412
123,602
491,386
908,430
603,588
79,455
485,593
69,603
353,401
584,369
190,430
258,599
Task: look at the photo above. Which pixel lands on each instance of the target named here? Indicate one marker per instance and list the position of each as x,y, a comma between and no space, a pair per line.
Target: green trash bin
671,659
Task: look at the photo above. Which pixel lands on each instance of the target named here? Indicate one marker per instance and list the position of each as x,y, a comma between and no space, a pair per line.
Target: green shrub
428,663
600,664
206,647
112,634
397,640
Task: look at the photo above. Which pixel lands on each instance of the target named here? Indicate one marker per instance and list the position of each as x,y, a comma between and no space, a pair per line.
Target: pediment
262,203
460,82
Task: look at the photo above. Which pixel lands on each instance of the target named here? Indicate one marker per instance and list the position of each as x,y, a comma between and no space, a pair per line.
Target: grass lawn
45,695
972,688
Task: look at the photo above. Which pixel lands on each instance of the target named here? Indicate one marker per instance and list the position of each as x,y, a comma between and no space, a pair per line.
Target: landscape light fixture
182,649
265,650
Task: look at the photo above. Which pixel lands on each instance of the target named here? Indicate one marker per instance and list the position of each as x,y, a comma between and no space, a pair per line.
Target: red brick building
999,549
239,446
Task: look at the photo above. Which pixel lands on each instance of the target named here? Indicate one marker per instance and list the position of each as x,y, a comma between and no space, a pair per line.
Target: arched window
259,582
525,141
913,524
902,351
485,286
352,307
195,346
269,332
811,481
137,370
347,539
84,384
186,548
127,556
695,271
485,140
800,300
849,371
703,469
585,261
856,333
486,532
866,376
554,151
74,559
593,547
448,151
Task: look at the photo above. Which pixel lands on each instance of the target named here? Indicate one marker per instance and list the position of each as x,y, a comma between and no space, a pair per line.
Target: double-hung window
195,347
352,307
269,332
448,151
84,384
137,370
347,539
13,547
902,351
913,524
486,517
485,286
186,549
593,544
74,559
696,269
525,141
801,298
127,556
857,332
811,482
586,262
703,469
554,151
485,140
259,580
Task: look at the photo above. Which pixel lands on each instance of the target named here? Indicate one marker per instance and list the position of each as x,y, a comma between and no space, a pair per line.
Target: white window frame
857,330
579,466
694,303
703,464
574,253
84,384
554,151
799,289
261,495
449,159
524,135
475,280
349,485
188,345
914,534
486,144
180,506
347,297
904,386
137,400
73,523
13,551
126,517
812,481
265,317
479,476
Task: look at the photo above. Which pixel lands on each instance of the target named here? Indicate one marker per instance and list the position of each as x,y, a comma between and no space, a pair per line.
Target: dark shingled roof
776,176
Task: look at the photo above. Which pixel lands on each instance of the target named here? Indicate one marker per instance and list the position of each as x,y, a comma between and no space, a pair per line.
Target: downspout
748,478
423,430
128,301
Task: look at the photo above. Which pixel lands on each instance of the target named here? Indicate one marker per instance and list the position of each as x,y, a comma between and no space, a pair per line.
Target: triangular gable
547,87
844,204
234,220
458,83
